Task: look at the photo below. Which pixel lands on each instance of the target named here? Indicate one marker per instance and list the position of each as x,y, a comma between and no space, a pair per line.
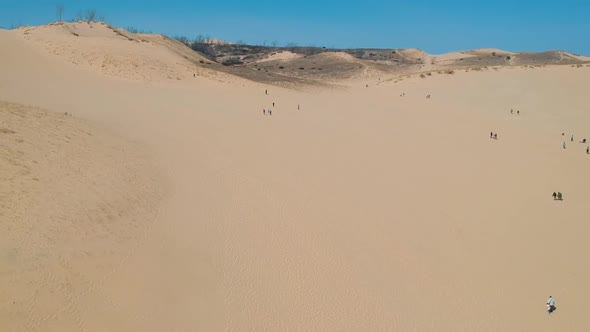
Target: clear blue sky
436,26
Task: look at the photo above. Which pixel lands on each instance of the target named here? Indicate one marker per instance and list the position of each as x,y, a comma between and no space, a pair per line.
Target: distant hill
151,57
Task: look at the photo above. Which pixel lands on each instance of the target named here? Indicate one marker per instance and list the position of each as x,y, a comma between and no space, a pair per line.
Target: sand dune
74,203
117,53
280,56
187,209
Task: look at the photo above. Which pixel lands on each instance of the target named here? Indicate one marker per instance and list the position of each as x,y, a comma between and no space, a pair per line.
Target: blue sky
435,26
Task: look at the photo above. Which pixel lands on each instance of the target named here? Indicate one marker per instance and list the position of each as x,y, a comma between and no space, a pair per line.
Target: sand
74,204
116,53
362,211
280,56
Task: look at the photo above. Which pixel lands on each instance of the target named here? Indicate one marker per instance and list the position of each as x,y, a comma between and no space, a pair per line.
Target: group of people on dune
582,141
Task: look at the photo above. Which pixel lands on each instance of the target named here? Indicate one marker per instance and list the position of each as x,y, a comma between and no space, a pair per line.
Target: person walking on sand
496,136
273,104
550,305
298,107
511,111
491,134
572,139
263,111
265,92
564,146
554,195
588,150
559,196
518,112
269,112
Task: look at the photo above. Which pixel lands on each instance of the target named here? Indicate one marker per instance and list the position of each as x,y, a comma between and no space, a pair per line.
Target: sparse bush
428,74
422,76
90,15
183,39
292,46
281,67
232,61
301,68
508,58
493,53
450,72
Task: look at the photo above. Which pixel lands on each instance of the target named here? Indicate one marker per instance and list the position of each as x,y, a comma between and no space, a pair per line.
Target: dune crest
115,52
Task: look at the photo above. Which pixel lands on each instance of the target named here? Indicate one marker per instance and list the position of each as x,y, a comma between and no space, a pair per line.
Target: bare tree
59,11
182,39
79,17
274,43
90,15
292,46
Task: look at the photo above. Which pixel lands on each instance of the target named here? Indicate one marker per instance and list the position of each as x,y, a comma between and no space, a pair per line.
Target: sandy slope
115,52
280,56
74,202
363,211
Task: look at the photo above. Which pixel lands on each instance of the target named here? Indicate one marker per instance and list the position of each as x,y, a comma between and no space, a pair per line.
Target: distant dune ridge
152,58
145,187
116,52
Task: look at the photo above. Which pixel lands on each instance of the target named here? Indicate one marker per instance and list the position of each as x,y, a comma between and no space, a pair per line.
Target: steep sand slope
74,202
361,211
117,53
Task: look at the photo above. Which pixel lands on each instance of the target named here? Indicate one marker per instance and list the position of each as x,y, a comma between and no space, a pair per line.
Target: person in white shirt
550,305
